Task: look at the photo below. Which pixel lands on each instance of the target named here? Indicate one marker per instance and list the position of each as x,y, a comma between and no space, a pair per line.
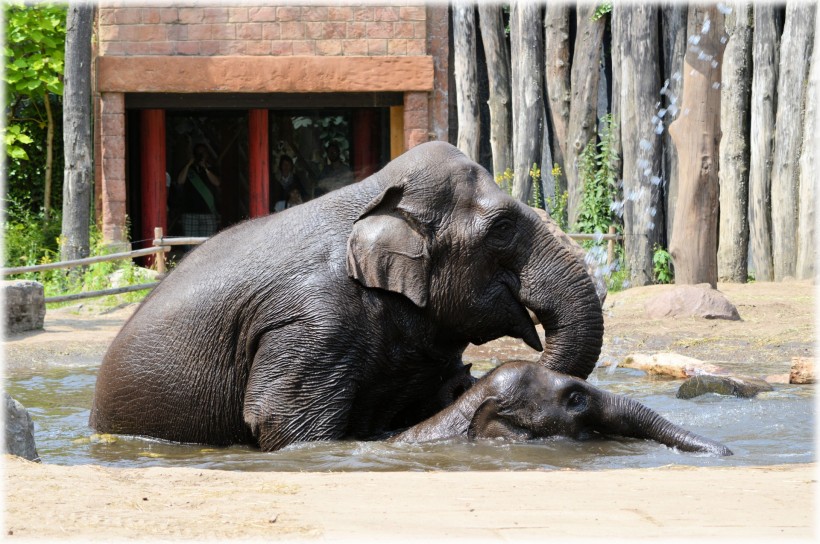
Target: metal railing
162,245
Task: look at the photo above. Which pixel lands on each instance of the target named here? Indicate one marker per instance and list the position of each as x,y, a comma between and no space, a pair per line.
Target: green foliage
602,9
34,57
557,204
596,169
31,240
537,199
662,265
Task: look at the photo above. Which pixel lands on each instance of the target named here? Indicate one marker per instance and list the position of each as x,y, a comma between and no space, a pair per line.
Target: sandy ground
92,502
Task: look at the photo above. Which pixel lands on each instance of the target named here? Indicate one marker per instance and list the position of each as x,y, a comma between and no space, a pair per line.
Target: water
774,428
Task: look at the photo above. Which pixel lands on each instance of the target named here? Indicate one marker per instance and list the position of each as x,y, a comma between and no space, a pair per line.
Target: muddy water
773,428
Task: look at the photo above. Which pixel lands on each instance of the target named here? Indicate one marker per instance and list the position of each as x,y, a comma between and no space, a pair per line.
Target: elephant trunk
558,290
627,417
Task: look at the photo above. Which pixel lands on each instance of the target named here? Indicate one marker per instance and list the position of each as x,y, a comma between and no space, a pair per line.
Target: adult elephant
346,316
523,400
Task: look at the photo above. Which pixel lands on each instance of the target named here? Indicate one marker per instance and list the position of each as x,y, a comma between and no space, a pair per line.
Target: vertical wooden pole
258,159
396,131
364,147
610,247
153,191
160,256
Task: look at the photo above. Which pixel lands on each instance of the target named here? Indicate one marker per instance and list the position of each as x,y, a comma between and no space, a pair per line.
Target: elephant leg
289,399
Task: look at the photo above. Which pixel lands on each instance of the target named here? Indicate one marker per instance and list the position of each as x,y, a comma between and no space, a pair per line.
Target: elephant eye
502,232
576,401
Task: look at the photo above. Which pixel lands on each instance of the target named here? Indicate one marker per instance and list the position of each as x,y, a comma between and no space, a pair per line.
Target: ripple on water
773,428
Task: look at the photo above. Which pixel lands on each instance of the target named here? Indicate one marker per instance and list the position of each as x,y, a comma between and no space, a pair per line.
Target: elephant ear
385,250
489,421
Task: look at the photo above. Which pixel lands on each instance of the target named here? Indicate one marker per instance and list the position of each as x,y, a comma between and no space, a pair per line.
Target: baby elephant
522,400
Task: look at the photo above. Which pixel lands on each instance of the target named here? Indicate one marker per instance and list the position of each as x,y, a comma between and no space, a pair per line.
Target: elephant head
523,400
444,235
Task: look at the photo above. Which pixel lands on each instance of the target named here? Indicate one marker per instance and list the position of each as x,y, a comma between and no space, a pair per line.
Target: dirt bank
85,502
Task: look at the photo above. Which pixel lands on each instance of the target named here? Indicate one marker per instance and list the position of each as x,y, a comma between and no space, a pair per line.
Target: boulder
25,305
691,301
739,386
671,365
19,431
802,370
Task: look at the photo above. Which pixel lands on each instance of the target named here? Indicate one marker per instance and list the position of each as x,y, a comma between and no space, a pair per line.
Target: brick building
251,83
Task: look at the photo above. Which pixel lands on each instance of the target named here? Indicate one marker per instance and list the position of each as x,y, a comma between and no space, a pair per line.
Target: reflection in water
776,427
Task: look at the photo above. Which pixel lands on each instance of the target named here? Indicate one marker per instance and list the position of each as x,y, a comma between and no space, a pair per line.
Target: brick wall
346,30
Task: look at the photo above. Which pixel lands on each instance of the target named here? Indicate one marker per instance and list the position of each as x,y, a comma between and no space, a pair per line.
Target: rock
672,365
739,386
25,305
691,301
777,378
19,431
143,275
802,370
589,264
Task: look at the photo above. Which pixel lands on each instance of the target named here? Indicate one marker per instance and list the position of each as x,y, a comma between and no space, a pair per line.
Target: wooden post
610,246
152,183
160,262
364,144
258,163
396,131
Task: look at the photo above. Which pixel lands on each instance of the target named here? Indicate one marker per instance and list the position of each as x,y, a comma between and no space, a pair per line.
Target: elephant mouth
523,324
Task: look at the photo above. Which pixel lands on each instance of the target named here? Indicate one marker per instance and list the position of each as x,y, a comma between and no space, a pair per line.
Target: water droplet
643,163
661,113
598,237
723,39
655,119
716,85
659,128
625,284
653,211
647,172
655,180
724,9
706,26
694,40
714,64
645,145
676,76
686,111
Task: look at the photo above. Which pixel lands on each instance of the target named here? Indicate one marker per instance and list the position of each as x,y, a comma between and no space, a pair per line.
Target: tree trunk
527,93
795,50
696,134
635,33
733,242
674,48
582,119
807,235
497,54
49,167
557,72
464,38
766,59
77,143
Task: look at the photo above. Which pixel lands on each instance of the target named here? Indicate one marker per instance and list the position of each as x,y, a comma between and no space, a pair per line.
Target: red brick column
416,128
112,162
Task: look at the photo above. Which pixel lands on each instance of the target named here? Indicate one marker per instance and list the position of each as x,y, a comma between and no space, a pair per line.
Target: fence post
161,255
610,246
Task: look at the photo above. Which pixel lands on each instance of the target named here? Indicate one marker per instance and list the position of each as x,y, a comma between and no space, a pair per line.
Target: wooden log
696,133
807,216
527,93
733,240
258,163
635,33
673,37
557,70
102,292
583,107
765,61
464,43
795,50
491,21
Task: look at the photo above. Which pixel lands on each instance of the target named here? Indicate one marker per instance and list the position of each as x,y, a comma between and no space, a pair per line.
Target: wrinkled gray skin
523,400
346,317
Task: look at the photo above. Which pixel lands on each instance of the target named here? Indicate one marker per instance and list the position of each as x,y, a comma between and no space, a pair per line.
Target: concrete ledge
174,74
25,305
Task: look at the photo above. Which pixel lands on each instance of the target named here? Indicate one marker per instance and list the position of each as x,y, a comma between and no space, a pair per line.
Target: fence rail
162,245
